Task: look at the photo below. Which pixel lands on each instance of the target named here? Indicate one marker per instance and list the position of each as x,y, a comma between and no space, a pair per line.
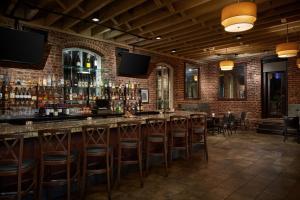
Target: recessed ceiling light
173,51
158,38
95,19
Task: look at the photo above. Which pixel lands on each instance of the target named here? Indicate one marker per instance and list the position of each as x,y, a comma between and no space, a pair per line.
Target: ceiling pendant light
239,16
287,49
226,65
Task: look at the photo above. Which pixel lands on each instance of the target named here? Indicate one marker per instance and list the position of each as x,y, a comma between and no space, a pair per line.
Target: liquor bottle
6,93
53,81
95,63
1,89
33,94
88,62
29,96
44,81
79,80
49,81
78,62
21,95
40,81
17,94
12,95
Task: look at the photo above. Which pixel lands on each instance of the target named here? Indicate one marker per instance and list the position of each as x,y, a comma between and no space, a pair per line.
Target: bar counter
31,130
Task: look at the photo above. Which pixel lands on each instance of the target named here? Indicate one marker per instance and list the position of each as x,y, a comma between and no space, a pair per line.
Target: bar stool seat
60,158
129,144
56,151
97,150
156,138
157,141
129,139
179,134
13,167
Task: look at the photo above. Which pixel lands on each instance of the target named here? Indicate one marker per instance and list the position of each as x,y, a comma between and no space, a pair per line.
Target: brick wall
208,78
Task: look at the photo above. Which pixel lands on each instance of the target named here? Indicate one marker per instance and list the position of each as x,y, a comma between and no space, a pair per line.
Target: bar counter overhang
31,130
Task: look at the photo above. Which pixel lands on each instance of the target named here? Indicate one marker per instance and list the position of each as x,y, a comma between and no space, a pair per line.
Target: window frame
245,81
193,66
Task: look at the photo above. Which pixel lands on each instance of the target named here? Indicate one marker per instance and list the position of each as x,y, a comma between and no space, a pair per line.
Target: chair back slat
130,130
55,141
179,123
11,147
96,136
198,121
156,126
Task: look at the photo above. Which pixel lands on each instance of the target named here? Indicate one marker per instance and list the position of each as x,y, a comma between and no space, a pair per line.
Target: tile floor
243,166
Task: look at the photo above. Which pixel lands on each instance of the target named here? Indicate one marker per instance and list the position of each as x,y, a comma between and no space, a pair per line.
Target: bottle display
75,92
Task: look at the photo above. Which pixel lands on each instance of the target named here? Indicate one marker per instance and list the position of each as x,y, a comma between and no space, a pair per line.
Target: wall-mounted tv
21,46
134,65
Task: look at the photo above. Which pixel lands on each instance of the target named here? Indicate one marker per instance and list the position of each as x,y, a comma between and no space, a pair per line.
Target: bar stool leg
112,167
147,157
139,152
187,146
41,181
35,187
166,156
19,196
108,175
68,181
83,182
119,165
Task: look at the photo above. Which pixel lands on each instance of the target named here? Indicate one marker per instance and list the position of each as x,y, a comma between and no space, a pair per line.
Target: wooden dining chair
129,138
12,164
157,136
198,134
56,152
96,145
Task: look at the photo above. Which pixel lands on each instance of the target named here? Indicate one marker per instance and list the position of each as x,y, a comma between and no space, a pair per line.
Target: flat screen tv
134,65
21,46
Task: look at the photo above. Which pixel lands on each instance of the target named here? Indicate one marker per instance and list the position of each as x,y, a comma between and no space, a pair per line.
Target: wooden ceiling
191,27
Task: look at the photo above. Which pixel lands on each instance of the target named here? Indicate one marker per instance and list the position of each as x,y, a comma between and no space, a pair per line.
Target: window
191,90
82,75
232,84
163,88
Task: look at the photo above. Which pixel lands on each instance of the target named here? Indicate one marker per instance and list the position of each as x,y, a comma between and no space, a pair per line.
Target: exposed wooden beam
90,8
52,18
161,14
114,9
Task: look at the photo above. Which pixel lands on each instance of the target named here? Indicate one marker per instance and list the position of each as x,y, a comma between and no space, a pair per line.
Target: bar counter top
75,125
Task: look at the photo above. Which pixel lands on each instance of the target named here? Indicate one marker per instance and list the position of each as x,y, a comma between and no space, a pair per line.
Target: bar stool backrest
55,141
198,121
96,136
11,147
179,123
156,126
129,131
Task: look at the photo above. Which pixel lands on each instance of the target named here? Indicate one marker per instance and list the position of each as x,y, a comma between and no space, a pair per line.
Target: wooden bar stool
198,125
157,135
12,165
129,138
55,150
179,134
96,140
